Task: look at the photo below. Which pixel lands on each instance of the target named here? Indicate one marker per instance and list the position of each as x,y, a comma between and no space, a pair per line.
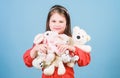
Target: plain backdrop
21,20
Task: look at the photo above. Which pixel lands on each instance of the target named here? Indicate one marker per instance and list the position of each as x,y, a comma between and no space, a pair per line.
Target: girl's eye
53,21
61,21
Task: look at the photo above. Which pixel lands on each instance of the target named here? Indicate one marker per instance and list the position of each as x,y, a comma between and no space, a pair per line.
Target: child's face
57,23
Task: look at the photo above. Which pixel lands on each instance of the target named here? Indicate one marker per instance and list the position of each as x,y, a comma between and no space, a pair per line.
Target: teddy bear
61,57
80,38
53,57
69,59
58,62
50,40
38,62
44,59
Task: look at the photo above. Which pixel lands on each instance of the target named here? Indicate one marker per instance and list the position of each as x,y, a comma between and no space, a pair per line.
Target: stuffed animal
53,57
42,58
50,37
68,57
70,60
58,62
80,38
38,62
62,40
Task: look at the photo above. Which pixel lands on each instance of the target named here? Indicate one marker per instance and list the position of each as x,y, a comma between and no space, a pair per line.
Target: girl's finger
43,48
62,48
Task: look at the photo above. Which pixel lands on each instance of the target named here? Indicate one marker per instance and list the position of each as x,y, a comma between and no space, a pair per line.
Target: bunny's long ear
38,38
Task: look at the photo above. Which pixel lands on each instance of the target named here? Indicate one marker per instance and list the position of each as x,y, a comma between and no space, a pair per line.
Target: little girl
58,20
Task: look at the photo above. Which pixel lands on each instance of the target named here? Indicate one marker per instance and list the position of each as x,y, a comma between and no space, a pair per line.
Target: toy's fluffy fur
54,58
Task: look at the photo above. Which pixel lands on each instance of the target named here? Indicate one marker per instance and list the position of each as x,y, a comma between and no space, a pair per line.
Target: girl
58,20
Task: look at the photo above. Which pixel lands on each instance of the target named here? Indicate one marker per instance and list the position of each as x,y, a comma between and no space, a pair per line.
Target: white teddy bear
43,59
80,38
70,60
53,57
58,62
38,62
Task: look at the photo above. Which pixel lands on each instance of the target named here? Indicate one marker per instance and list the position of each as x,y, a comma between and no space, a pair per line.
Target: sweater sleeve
84,57
27,58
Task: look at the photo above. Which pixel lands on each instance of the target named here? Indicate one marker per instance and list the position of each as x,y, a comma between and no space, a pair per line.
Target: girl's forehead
56,12
57,15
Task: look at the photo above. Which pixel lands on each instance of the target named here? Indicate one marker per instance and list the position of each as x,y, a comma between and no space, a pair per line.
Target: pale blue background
21,20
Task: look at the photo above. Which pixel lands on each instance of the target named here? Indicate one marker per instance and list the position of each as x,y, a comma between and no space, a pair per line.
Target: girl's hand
36,48
63,48
71,48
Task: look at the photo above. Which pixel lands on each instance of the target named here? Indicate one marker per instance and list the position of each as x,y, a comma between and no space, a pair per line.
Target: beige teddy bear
43,59
58,62
53,57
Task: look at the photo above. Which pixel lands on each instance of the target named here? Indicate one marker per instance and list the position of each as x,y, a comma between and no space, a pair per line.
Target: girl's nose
57,24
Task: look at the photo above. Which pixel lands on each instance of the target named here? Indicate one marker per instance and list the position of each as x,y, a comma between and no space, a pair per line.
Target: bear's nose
78,37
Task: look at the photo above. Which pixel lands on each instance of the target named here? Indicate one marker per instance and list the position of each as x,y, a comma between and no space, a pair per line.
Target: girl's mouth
57,28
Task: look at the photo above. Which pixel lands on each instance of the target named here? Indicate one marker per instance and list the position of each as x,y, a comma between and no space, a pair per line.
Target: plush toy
50,37
53,57
66,57
63,40
43,59
80,38
38,62
58,62
69,59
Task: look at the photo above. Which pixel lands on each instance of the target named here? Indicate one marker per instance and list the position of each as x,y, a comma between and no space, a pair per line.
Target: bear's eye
47,34
78,37
67,41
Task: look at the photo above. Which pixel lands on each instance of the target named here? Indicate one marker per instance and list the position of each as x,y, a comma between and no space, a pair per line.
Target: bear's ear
88,38
76,28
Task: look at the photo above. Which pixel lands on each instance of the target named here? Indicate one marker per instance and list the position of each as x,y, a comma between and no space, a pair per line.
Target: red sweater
84,59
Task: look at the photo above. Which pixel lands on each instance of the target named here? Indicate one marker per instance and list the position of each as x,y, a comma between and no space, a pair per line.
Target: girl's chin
59,32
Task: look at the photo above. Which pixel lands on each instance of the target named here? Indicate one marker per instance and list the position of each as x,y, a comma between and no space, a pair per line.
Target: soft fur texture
80,38
54,58
45,38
